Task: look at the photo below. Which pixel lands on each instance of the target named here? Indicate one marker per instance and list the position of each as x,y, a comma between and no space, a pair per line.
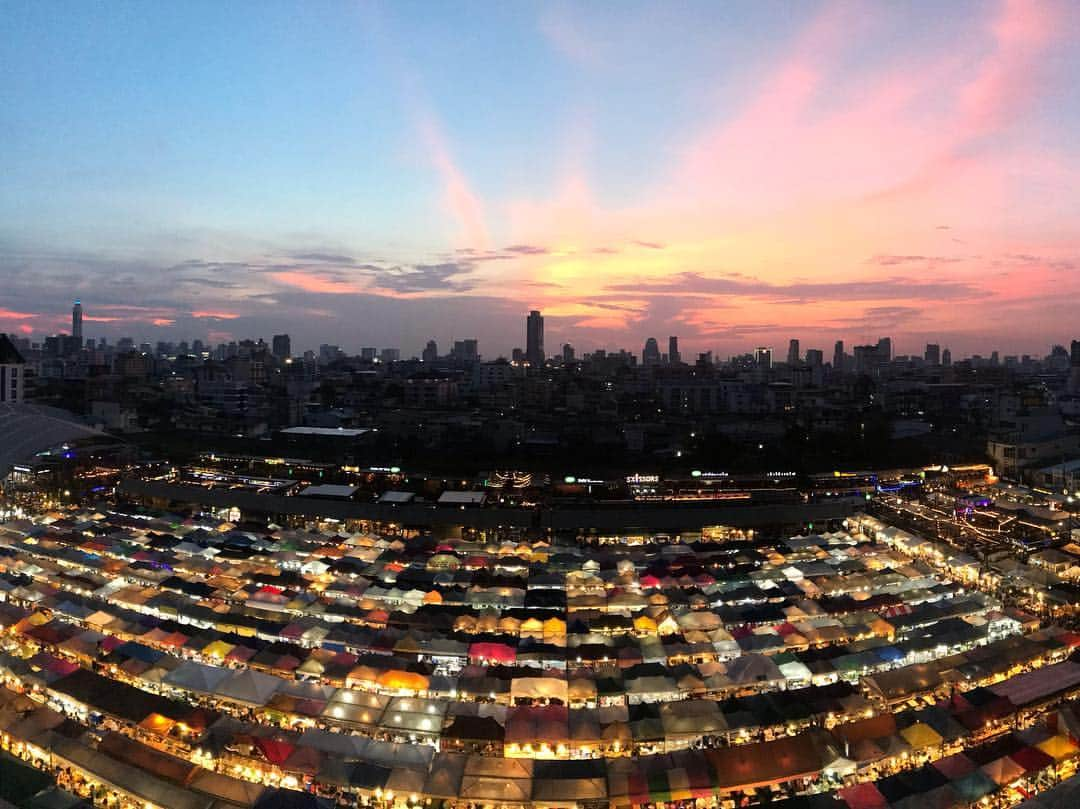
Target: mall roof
329,490
9,355
332,432
27,429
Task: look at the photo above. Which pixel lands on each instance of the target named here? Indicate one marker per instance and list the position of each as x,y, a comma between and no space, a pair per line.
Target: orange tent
402,680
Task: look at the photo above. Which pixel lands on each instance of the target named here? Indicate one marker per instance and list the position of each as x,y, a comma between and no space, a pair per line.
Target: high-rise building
763,357
793,352
815,357
281,346
76,324
946,358
932,355
1073,385
327,353
838,356
388,355
12,371
673,356
867,359
567,353
534,339
465,350
369,353
884,349
431,352
650,355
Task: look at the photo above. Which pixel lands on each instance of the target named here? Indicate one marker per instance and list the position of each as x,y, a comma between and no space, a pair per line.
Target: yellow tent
532,628
312,666
509,625
156,723
554,627
645,625
1058,747
218,648
921,736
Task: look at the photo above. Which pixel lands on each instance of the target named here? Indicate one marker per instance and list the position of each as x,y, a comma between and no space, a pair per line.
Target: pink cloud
215,315
1009,76
823,168
10,314
458,196
315,282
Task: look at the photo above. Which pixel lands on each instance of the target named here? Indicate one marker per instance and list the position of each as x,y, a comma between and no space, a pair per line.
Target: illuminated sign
643,479
697,473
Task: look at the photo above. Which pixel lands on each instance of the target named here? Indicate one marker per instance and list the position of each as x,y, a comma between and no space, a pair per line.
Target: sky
382,174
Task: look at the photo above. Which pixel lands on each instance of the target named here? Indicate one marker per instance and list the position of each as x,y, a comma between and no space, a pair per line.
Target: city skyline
827,171
534,350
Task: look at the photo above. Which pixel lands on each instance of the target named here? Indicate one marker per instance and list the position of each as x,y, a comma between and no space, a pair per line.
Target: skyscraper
932,355
946,358
838,356
763,357
76,324
673,356
650,355
534,339
567,353
281,346
793,352
884,349
431,352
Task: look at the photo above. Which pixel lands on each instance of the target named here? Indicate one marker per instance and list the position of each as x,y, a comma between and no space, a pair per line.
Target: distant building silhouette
534,339
76,324
12,371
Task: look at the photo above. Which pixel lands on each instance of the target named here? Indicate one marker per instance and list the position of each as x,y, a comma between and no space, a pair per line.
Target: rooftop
9,355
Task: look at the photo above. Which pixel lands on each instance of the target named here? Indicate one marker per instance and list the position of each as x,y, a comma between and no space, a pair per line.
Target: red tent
276,751
863,796
955,766
493,652
1032,759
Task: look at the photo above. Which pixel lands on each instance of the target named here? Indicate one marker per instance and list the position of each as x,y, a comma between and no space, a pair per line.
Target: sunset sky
382,174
